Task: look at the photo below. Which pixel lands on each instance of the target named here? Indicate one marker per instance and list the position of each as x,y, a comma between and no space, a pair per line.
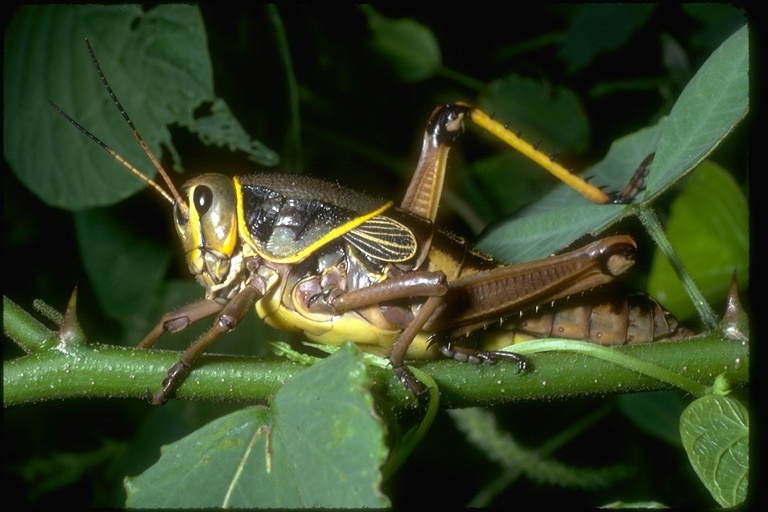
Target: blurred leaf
408,47
675,60
60,469
358,124
509,181
719,22
117,259
600,28
552,115
656,413
500,446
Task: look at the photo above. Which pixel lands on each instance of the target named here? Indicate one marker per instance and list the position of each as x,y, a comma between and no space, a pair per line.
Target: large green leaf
320,444
158,65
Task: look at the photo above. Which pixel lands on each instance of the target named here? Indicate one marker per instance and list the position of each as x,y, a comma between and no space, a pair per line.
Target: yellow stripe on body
301,254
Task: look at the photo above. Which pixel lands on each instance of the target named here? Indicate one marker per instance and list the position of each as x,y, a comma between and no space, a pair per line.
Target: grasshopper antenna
174,198
112,152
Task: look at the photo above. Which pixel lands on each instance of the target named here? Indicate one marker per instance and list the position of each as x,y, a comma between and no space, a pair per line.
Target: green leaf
355,122
708,227
600,28
158,65
408,47
320,444
715,433
537,236
715,99
656,413
719,21
125,268
499,192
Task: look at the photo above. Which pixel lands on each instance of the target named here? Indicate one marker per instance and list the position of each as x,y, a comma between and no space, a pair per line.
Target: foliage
346,89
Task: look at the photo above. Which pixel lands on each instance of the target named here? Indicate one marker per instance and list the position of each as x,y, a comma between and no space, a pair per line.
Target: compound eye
202,198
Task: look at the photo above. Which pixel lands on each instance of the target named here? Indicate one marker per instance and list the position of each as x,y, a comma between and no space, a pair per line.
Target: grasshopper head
207,227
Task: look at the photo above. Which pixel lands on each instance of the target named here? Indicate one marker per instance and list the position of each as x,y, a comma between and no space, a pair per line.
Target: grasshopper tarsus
158,398
474,356
171,382
150,397
523,363
636,183
617,198
407,379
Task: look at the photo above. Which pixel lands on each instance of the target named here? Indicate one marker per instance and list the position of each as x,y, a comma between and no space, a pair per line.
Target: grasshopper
337,265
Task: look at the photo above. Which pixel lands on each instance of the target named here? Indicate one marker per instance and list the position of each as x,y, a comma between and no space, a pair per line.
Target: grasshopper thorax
208,228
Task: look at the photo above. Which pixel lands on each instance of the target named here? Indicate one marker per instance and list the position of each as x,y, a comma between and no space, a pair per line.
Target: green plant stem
650,221
514,459
460,78
78,369
618,358
413,438
22,328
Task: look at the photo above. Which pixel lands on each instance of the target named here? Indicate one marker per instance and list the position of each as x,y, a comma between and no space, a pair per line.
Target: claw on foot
413,385
473,356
